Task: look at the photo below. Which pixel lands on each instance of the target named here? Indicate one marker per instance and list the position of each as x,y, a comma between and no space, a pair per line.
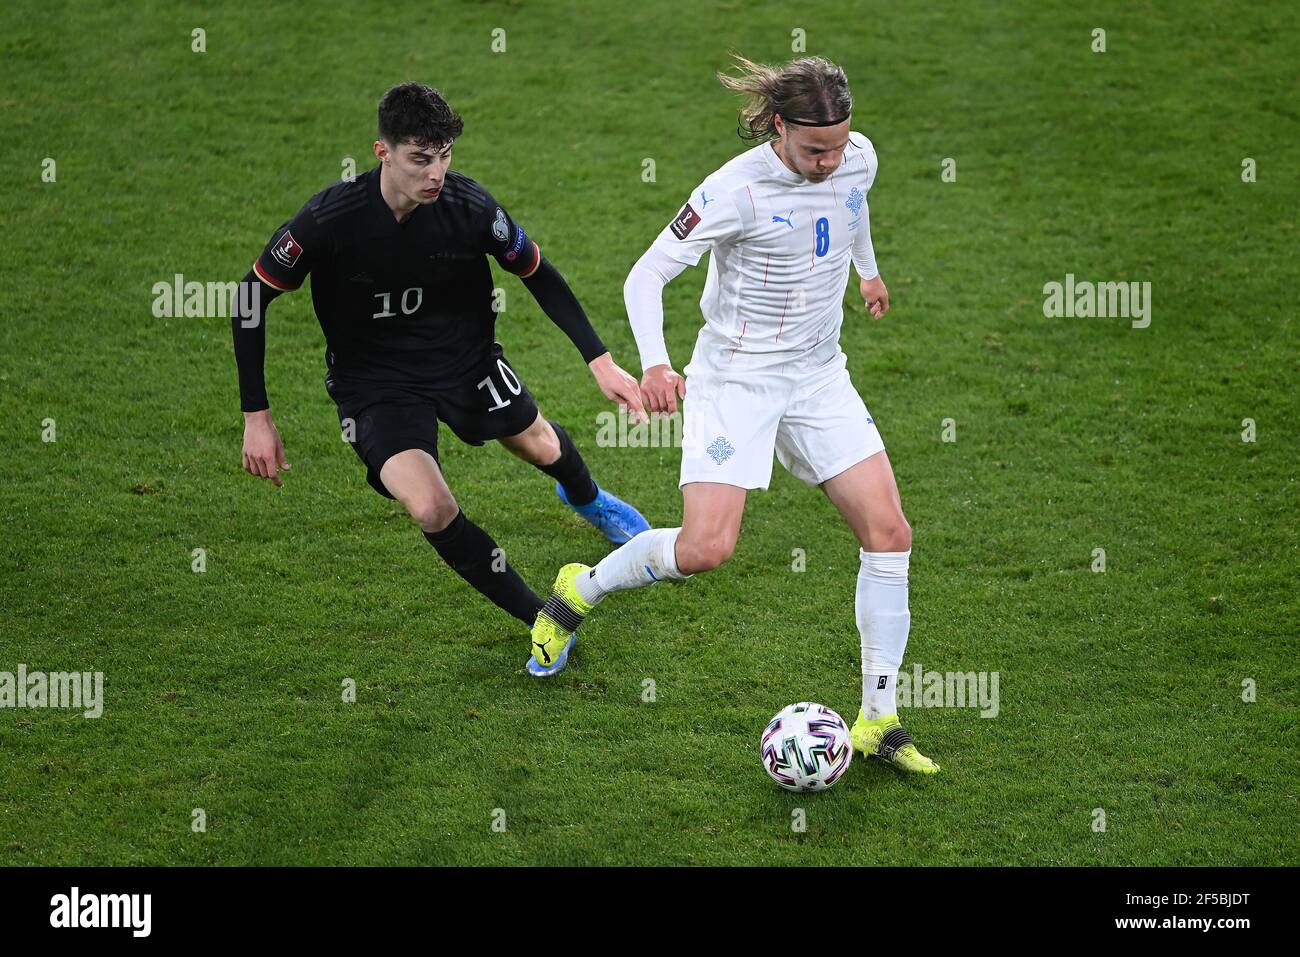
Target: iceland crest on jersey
721,450
854,203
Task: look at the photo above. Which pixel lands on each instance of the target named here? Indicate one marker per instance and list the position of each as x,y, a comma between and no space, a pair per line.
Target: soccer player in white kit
782,222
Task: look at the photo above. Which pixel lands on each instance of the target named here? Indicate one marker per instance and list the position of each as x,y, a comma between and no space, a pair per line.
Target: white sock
883,623
646,559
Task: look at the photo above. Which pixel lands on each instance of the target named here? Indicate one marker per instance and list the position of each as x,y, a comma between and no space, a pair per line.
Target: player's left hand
618,386
875,295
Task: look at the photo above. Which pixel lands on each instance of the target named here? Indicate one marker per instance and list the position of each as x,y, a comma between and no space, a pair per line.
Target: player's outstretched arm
562,308
872,287
263,453
643,291
283,266
618,386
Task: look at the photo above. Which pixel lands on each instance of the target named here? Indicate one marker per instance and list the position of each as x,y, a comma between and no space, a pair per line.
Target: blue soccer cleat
613,517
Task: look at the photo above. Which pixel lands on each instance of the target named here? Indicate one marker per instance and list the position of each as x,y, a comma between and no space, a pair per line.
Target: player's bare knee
894,535
706,554
433,513
902,535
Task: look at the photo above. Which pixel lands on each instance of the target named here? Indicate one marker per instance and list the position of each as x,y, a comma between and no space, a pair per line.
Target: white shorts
814,421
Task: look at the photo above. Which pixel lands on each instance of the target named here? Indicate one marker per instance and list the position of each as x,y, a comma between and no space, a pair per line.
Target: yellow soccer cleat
555,630
886,738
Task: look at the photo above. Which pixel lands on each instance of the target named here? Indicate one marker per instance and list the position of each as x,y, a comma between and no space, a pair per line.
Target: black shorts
490,404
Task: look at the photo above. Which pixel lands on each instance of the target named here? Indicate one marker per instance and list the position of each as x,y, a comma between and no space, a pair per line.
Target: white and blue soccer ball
806,747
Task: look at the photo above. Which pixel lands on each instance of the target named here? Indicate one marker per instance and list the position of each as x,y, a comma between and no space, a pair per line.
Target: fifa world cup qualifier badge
686,220
286,251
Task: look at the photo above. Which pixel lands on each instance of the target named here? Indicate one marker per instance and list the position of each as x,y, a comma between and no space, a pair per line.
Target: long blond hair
810,89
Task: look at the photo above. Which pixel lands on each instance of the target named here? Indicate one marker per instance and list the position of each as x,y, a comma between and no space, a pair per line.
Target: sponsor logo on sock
881,682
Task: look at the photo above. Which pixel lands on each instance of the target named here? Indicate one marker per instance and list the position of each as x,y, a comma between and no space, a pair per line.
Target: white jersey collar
779,170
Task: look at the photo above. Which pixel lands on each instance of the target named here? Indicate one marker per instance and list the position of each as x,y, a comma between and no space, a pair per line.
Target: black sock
470,552
570,470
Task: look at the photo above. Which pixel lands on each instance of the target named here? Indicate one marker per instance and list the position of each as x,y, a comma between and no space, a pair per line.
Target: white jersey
781,249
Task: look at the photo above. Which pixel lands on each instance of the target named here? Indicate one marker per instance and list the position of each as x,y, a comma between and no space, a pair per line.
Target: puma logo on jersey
704,200
785,219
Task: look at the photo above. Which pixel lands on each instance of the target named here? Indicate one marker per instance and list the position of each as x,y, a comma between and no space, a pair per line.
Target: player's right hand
618,386
661,387
263,450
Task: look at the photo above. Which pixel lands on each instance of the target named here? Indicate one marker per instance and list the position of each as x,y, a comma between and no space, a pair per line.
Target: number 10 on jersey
508,379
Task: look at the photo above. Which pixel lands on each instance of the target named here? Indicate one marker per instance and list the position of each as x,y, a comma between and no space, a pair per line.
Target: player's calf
475,556
538,445
414,479
546,445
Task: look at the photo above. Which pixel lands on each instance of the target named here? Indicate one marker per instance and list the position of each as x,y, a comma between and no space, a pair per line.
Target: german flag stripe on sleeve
269,281
537,261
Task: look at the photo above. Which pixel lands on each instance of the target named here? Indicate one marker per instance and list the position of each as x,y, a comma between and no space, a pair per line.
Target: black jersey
406,305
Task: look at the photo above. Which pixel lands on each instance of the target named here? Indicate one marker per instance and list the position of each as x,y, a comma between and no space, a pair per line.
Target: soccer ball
806,747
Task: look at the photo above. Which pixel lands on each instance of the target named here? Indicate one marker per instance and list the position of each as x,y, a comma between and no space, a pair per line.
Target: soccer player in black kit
403,291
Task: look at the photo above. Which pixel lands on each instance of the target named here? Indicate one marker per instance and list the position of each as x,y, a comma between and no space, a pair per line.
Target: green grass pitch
1120,690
